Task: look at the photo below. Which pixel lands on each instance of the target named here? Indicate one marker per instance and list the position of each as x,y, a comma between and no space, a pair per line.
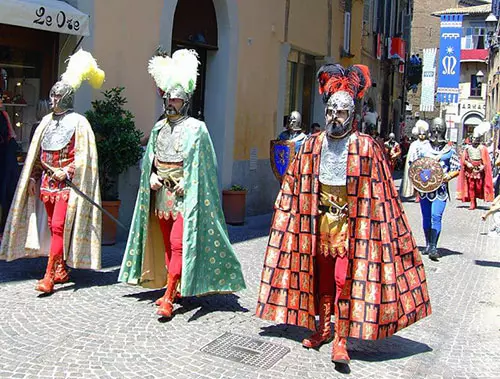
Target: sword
70,184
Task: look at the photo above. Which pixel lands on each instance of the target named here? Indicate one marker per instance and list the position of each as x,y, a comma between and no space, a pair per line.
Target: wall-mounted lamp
479,76
491,29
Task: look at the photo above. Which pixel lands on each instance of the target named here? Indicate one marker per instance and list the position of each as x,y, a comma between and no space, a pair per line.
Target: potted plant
233,204
118,148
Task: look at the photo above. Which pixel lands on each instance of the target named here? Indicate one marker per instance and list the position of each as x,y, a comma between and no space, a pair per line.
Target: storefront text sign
472,106
50,15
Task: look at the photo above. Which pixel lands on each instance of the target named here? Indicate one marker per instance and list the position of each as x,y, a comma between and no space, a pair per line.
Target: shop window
475,87
300,86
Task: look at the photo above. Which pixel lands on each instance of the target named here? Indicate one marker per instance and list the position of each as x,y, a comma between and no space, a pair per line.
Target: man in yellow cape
47,217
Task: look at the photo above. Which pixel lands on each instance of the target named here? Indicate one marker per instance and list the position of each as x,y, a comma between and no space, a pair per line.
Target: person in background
392,151
315,128
293,131
9,172
476,178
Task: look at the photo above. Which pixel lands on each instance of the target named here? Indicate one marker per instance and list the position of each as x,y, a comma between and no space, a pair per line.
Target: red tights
172,238
56,216
332,274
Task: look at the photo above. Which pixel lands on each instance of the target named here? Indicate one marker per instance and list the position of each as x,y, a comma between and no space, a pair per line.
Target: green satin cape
209,263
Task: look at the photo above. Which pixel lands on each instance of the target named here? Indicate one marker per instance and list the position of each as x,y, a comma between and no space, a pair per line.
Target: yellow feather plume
83,66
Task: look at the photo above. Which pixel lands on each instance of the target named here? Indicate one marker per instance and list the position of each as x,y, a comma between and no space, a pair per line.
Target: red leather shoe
61,275
323,335
339,350
167,305
46,285
160,300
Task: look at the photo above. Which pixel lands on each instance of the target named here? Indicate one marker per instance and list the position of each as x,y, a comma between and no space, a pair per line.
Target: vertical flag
449,59
428,80
495,8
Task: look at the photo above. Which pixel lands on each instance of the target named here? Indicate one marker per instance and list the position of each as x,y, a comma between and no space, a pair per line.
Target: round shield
426,174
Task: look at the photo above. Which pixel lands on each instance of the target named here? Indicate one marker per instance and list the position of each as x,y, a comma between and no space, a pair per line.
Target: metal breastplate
333,165
474,153
169,144
59,131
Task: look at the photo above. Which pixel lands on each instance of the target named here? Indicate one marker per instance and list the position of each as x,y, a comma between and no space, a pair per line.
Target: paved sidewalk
97,328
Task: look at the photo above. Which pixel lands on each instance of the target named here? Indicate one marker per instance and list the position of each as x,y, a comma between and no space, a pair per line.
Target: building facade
258,63
462,117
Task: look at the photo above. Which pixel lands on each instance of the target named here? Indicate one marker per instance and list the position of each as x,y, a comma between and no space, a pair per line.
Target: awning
473,121
51,15
474,55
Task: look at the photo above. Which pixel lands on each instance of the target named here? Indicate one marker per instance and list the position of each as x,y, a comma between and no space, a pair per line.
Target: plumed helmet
340,88
422,127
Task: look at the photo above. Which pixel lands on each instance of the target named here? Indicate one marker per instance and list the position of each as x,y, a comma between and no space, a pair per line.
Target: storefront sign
50,15
471,106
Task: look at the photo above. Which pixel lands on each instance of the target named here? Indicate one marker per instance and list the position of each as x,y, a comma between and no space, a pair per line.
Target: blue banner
495,8
449,58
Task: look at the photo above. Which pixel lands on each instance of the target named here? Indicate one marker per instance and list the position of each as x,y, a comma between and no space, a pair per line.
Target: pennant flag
428,81
449,59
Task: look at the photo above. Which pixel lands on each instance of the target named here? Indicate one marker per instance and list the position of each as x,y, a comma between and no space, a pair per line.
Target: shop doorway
28,68
197,31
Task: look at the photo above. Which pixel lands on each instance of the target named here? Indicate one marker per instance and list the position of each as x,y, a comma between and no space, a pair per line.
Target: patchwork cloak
209,263
26,233
386,287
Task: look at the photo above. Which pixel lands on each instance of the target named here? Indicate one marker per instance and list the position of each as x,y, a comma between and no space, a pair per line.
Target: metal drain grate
246,350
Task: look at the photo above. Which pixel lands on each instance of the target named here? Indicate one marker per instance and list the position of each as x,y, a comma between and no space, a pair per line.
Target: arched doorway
198,31
220,76
470,121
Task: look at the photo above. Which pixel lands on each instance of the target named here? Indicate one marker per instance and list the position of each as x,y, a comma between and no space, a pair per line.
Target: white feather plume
483,128
180,70
422,125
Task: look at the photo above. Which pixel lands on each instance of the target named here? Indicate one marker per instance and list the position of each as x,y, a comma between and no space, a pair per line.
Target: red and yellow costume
363,262
393,152
475,180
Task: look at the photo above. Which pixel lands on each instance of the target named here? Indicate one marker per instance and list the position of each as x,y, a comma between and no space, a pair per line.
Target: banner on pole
449,58
428,81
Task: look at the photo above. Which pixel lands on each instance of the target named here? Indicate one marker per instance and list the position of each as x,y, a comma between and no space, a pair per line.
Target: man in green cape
178,234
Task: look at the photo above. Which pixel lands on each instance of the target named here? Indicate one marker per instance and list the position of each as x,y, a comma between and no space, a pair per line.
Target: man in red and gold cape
393,151
475,180
340,238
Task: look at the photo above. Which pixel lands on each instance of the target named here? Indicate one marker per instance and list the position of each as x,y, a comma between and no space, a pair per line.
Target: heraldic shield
281,155
426,174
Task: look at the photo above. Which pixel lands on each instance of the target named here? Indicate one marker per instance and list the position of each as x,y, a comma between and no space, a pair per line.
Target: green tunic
209,263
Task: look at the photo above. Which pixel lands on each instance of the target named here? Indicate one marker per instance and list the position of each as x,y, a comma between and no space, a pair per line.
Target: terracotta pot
109,226
233,205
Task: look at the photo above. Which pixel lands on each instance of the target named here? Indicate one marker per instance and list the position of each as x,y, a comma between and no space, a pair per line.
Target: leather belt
333,210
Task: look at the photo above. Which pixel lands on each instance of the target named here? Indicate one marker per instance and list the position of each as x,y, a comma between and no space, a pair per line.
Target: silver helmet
339,101
438,131
294,121
62,97
176,92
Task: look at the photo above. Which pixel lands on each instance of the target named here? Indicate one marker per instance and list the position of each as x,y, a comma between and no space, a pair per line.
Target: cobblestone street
94,327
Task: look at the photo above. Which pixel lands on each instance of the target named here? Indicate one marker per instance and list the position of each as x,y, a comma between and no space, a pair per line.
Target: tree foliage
118,141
